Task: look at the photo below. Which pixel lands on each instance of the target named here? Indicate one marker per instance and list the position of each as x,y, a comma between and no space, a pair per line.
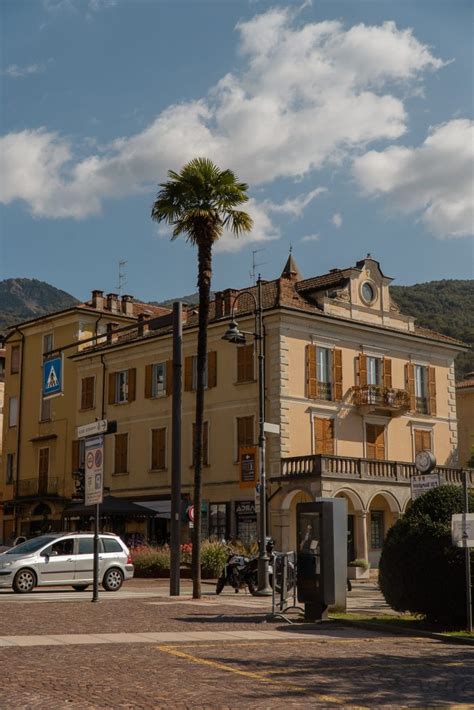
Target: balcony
348,468
377,399
32,487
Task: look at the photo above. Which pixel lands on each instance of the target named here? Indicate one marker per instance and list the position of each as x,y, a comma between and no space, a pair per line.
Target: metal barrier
284,586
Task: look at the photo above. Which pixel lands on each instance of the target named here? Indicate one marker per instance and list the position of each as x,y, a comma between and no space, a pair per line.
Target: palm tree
200,201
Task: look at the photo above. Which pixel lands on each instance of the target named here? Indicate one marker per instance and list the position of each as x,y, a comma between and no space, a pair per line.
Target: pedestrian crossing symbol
52,377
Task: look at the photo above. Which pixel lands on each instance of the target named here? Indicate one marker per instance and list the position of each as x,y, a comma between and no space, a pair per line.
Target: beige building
354,385
465,411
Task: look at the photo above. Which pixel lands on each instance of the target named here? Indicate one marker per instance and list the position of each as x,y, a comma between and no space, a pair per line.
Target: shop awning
161,508
111,505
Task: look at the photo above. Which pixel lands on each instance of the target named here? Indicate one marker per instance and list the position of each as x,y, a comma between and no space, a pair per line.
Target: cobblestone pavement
332,666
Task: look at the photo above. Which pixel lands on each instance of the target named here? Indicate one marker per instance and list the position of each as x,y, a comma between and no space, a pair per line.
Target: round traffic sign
191,513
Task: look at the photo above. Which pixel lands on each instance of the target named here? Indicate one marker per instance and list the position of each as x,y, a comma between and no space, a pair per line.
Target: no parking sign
94,459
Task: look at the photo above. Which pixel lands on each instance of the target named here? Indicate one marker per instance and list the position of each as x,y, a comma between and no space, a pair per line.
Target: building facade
465,411
355,387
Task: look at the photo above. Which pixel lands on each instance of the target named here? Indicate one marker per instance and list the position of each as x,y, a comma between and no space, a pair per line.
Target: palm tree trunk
204,284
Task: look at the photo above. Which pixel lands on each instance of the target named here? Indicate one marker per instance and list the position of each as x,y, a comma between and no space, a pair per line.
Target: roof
468,382
291,270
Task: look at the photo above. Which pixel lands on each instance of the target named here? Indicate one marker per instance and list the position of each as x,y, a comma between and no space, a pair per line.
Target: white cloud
311,238
263,229
336,220
435,179
309,94
75,5
16,72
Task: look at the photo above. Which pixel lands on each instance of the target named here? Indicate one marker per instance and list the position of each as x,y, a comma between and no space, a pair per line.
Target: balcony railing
374,397
346,467
29,487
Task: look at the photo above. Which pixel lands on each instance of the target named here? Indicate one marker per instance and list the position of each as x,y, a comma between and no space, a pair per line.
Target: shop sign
245,509
423,483
248,466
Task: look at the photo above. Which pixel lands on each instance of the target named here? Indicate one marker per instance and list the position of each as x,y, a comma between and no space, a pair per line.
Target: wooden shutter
75,455
212,369
245,433
121,453
87,392
337,375
205,443
43,470
432,390
362,370
375,441
132,384
245,363
112,381
188,373
387,372
15,361
169,378
158,449
311,372
324,436
422,441
410,384
148,381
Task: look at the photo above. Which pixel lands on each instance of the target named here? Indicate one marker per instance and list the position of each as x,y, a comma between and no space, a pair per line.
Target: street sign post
53,377
94,460
462,529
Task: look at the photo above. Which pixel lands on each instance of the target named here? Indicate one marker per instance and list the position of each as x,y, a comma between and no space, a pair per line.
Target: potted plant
358,569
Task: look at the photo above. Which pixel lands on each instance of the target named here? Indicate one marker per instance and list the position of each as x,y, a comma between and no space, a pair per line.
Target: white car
65,559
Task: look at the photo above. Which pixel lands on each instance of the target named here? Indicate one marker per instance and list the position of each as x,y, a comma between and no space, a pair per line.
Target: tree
200,202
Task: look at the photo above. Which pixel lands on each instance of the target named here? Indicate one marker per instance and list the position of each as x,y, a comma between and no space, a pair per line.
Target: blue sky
350,121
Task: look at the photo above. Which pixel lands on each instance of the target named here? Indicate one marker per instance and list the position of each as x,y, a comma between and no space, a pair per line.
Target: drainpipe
18,432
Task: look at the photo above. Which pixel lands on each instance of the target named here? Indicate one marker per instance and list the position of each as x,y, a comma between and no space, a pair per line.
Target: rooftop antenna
256,264
122,275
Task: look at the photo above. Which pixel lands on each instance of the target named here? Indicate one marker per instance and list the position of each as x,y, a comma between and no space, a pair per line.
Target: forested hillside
23,299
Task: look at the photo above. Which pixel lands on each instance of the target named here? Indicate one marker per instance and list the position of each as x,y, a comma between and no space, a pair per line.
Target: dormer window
368,293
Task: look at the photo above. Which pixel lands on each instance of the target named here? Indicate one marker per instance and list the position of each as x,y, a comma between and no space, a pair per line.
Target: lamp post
237,336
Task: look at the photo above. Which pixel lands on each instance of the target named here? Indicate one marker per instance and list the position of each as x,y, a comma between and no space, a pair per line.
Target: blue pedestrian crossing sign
52,376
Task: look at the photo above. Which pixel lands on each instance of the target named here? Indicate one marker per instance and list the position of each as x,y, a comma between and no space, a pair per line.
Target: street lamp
237,336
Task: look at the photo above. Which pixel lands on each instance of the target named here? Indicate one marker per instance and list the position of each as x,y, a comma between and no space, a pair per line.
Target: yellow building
465,411
355,387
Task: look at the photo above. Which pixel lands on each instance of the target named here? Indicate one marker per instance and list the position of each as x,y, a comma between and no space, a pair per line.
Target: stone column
362,550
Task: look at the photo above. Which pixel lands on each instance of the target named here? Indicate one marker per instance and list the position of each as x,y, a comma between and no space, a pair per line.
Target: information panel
248,466
94,473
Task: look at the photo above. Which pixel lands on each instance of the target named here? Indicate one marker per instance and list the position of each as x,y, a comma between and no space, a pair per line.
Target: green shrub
359,563
420,571
149,561
213,557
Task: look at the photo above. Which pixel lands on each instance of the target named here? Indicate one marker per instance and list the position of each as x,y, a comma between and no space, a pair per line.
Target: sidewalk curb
386,628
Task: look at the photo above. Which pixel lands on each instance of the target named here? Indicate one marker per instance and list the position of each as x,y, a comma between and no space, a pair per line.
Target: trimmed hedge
156,561
420,571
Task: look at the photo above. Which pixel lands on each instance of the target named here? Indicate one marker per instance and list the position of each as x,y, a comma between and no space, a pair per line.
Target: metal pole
263,584
95,592
176,449
467,555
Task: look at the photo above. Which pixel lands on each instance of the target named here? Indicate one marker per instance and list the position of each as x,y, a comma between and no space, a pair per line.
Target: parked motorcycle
240,572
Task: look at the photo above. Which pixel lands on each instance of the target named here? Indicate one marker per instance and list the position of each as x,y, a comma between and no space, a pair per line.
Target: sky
351,122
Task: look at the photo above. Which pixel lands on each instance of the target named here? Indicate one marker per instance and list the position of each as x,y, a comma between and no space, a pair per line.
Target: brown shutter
311,372
410,384
387,372
212,369
432,390
188,373
169,378
422,441
158,449
87,392
427,443
112,388
75,455
245,433
337,374
132,384
375,442
148,381
380,444
362,370
245,363
370,440
121,453
323,436
205,443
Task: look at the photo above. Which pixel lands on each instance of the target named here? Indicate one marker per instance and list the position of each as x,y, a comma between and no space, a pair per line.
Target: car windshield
30,545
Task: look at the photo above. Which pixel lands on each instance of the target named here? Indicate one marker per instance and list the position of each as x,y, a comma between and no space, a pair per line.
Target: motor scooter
240,571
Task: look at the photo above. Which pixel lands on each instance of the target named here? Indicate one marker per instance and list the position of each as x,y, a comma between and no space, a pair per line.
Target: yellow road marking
174,651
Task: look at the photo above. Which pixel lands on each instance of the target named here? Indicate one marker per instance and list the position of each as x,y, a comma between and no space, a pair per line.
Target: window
43,470
121,453
323,373
47,343
13,411
158,449
423,440
323,436
87,392
421,389
111,545
15,361
61,548
190,372
375,441
205,443
374,371
158,382
245,433
368,293
376,529
218,520
78,454
245,363
420,382
10,467
122,386
323,356
86,546
45,409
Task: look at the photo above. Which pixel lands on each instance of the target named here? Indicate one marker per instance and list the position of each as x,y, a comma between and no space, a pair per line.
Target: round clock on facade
425,461
368,292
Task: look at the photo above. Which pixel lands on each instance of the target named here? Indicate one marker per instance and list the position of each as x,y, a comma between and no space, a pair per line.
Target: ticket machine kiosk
321,549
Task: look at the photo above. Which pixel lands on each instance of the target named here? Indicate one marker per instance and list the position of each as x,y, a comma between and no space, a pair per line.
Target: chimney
127,305
98,300
228,297
219,304
110,330
112,302
143,326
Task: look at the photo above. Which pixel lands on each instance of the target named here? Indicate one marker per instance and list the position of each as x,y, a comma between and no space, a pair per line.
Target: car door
57,565
85,558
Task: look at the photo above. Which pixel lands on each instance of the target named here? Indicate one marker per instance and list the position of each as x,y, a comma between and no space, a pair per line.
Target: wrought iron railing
382,397
422,405
347,467
37,487
324,390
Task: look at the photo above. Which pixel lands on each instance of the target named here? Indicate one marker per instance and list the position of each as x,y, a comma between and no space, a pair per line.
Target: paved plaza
138,648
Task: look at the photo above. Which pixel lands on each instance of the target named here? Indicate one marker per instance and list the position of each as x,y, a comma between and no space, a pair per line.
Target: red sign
191,513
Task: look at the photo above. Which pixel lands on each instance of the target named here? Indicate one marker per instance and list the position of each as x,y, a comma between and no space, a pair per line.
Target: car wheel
113,580
24,582
80,587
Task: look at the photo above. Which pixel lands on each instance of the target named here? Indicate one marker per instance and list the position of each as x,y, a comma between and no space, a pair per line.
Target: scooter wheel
253,584
220,585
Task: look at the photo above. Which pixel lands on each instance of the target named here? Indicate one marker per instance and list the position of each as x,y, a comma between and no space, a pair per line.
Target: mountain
191,300
445,306
23,299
